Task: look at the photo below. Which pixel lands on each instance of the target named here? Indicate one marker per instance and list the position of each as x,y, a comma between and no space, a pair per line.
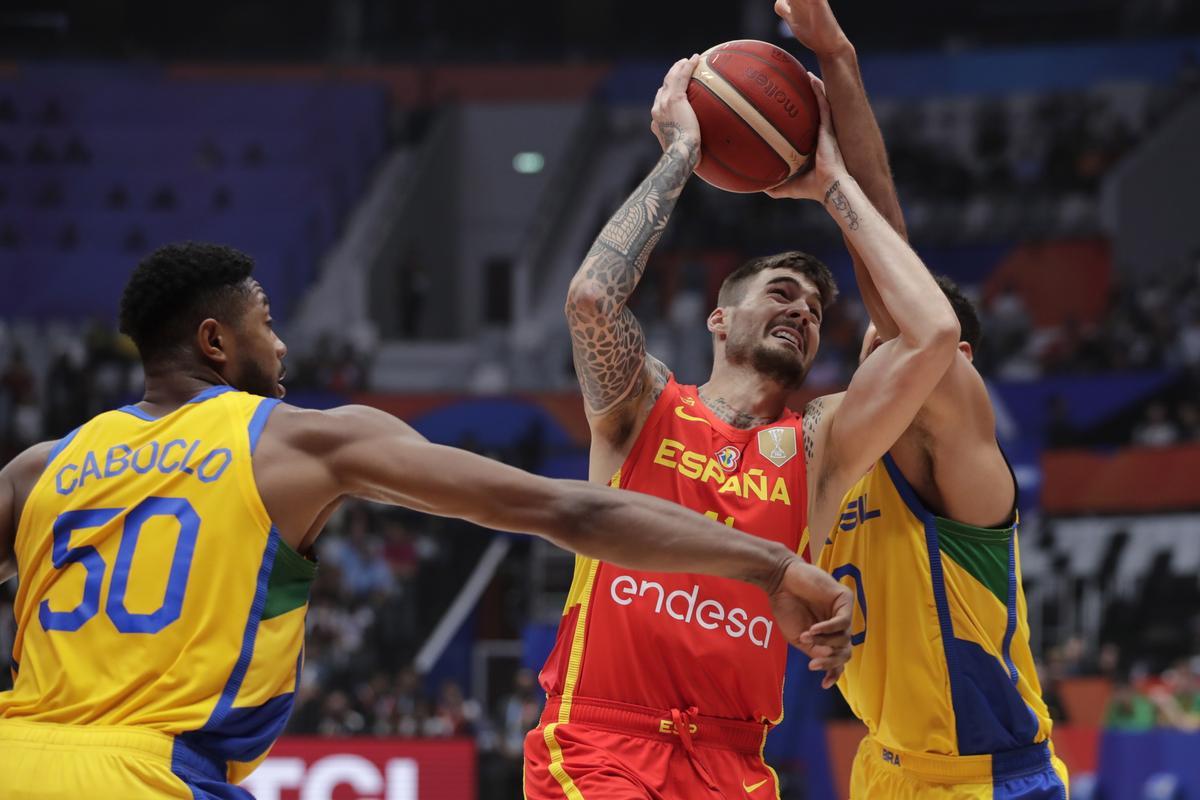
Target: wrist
841,52
775,566
685,147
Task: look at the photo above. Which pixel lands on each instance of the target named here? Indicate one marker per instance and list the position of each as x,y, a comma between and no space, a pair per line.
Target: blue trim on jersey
234,685
62,445
985,720
207,394
246,733
907,494
139,413
210,393
259,420
1011,628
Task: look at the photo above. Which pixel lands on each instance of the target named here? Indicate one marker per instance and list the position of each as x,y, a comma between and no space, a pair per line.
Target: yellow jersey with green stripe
941,662
154,590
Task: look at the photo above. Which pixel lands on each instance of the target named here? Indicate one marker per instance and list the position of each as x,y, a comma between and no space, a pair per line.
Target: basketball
758,115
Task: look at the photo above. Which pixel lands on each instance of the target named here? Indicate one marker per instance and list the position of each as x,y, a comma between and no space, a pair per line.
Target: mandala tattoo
606,339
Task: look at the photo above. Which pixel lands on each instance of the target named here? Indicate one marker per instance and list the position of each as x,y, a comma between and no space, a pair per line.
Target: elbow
584,297
939,339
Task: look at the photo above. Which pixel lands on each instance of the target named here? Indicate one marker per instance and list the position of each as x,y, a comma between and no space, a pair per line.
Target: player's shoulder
820,407
316,431
23,471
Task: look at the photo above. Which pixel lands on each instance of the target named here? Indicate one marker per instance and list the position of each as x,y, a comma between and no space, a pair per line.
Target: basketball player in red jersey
664,686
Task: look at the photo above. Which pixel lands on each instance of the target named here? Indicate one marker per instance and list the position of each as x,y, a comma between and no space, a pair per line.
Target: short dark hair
733,288
964,309
177,287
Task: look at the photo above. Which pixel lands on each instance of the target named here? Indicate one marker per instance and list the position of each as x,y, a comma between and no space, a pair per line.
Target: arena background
418,181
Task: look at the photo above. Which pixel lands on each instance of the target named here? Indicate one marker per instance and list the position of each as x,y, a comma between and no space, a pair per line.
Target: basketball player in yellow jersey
942,672
161,548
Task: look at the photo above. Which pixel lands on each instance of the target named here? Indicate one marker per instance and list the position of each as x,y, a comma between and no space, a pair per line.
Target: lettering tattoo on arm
606,339
836,196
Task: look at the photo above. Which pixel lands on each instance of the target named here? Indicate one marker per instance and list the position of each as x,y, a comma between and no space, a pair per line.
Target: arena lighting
529,163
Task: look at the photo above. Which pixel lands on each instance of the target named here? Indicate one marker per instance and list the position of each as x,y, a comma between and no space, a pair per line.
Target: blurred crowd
1139,698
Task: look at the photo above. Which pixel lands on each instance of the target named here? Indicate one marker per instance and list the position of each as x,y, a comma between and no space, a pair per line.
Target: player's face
777,327
871,342
257,365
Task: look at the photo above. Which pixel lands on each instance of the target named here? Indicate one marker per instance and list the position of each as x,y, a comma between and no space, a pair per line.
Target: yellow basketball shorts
43,761
1030,773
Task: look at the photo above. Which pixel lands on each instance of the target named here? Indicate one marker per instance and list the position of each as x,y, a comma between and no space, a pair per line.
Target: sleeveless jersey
941,659
154,590
674,640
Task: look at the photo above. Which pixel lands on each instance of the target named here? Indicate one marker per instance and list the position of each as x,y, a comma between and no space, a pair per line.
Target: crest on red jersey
778,445
728,457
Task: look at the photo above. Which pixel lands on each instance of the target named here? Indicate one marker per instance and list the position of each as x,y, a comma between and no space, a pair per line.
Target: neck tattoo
730,415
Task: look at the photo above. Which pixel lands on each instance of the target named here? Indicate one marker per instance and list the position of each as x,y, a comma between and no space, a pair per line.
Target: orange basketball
758,115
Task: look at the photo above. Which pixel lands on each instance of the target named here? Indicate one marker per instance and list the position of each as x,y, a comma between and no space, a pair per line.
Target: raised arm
366,453
890,387
859,137
957,423
610,351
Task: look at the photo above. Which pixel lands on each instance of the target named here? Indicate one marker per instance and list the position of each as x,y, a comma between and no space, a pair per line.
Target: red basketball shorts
614,751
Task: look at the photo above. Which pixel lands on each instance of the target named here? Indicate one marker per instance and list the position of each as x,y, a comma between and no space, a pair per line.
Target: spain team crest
778,445
728,457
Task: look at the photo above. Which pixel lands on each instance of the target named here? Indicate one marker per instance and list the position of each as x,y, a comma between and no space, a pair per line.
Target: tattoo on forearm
606,339
812,418
730,415
838,198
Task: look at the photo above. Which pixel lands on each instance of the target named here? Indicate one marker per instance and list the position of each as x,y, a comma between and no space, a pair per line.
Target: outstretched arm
609,348
367,453
861,142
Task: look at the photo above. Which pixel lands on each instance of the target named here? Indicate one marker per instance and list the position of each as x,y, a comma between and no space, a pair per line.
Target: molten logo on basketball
773,91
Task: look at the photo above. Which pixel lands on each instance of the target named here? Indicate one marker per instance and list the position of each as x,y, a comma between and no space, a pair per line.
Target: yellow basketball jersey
941,659
154,590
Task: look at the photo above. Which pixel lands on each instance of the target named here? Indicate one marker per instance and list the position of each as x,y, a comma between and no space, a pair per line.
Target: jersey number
853,572
122,618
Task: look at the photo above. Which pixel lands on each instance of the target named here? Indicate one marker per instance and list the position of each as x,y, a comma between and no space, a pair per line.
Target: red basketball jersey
676,640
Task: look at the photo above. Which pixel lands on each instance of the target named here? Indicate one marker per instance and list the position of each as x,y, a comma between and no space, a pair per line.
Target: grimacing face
776,327
257,365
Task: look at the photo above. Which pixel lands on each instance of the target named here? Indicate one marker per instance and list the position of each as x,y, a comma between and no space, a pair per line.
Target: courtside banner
366,769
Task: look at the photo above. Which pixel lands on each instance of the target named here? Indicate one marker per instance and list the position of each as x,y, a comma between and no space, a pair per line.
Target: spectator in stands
1188,414
1175,696
1129,710
1156,428
339,717
519,713
456,715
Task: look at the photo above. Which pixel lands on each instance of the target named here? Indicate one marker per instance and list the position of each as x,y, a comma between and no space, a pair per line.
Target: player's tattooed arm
812,420
607,342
